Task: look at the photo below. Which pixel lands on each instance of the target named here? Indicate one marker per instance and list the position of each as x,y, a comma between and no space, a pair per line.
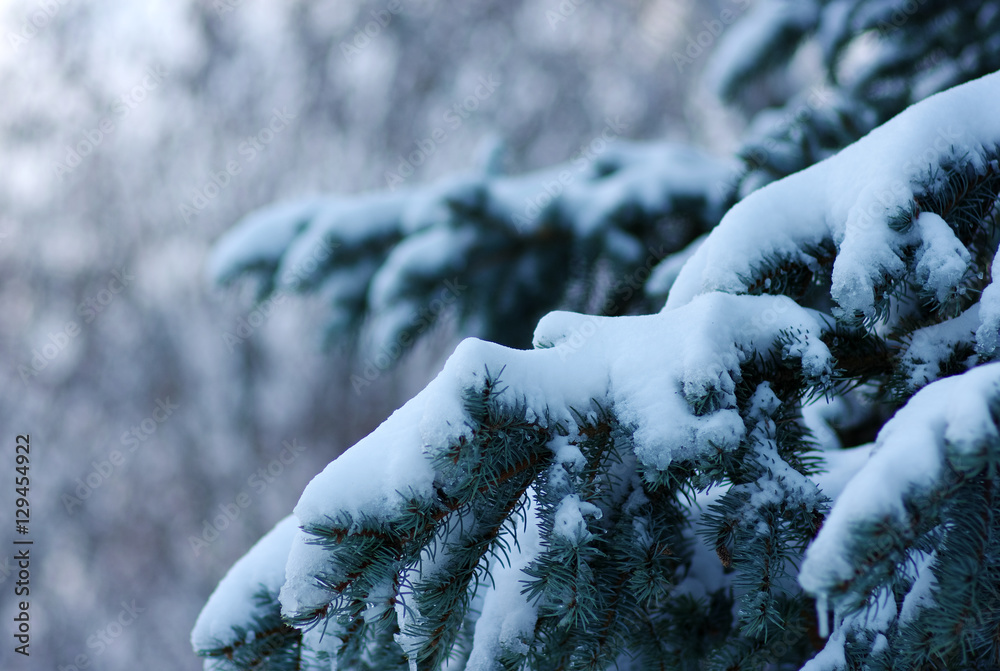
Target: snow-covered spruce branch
907,557
390,264
398,530
244,627
871,221
912,49
503,250
537,508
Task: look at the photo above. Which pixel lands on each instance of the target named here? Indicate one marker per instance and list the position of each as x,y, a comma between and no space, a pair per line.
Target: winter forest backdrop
115,241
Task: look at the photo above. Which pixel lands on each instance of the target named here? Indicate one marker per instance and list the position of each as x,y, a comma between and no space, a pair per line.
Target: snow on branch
443,476
873,215
241,624
878,57
908,523
503,246
540,507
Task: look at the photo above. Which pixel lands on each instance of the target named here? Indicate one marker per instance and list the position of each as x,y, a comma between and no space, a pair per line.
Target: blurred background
132,135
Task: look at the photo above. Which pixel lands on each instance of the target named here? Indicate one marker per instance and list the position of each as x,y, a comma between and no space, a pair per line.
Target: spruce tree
793,463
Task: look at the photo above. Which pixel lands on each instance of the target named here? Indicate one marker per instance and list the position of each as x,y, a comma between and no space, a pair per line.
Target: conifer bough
673,490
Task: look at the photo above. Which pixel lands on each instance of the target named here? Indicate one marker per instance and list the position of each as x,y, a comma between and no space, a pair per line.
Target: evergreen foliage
667,491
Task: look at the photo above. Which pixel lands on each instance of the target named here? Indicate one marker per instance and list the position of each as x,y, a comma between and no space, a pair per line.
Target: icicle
823,615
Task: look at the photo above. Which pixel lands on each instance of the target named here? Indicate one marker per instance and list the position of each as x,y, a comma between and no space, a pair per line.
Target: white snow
847,199
930,346
950,416
989,313
839,466
333,228
872,623
819,417
607,359
370,476
666,271
261,237
831,657
749,39
652,369
919,595
232,603
569,522
706,574
300,594
942,259
507,619
651,176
